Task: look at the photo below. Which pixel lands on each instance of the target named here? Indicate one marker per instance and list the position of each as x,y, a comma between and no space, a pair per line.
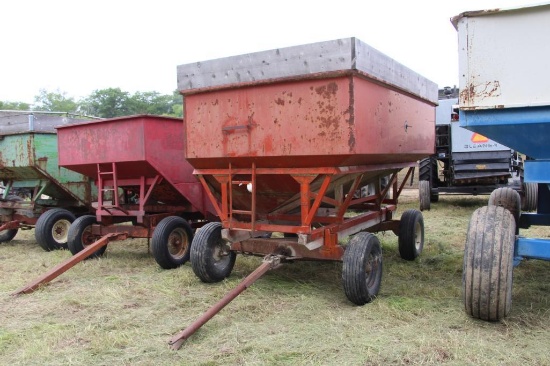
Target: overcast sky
78,46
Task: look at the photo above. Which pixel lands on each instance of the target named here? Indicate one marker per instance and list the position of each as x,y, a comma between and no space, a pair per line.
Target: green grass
122,309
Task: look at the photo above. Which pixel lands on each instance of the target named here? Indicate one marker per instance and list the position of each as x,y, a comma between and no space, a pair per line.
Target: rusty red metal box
336,103
141,145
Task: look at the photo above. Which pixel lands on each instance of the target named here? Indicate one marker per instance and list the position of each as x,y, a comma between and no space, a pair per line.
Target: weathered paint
314,60
301,110
31,159
140,146
341,121
282,135
503,64
503,57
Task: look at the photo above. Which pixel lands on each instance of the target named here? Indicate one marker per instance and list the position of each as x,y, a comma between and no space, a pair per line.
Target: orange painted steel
293,149
68,263
334,121
312,193
269,263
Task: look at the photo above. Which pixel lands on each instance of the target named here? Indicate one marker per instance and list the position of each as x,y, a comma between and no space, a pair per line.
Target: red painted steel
278,153
291,127
15,224
69,263
136,148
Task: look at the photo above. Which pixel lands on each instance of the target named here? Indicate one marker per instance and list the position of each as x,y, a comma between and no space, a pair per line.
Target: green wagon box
36,192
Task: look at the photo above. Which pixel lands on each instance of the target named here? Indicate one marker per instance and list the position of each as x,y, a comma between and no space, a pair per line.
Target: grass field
122,309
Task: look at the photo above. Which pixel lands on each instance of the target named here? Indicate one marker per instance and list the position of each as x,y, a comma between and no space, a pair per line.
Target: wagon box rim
122,118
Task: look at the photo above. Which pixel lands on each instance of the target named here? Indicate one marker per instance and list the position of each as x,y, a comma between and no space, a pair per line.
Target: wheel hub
60,231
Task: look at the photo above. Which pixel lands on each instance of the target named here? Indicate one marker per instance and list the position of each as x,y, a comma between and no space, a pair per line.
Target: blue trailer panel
504,78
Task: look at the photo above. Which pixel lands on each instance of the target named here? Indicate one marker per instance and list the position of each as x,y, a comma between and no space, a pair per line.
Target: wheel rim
220,254
178,243
60,231
371,269
417,236
87,237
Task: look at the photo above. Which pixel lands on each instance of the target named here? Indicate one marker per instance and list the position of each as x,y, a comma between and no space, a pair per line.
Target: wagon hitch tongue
69,263
269,262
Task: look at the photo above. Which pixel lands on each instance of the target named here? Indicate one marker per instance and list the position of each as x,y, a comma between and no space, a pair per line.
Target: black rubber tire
171,242
425,167
509,199
411,234
434,196
8,235
210,259
424,194
530,196
488,264
362,268
52,228
80,236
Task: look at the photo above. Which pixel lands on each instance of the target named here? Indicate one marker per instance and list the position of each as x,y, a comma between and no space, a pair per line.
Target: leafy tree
107,103
16,106
150,103
54,102
177,104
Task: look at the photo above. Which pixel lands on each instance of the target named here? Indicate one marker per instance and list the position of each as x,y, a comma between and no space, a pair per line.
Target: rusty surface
475,93
10,225
31,159
315,209
68,264
341,121
278,190
19,213
270,262
141,147
289,247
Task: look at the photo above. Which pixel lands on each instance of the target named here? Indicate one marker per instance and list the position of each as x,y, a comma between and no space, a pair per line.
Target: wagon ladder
252,183
102,177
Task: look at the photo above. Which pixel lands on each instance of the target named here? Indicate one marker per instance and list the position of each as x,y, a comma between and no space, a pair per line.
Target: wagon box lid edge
122,118
479,13
41,122
312,60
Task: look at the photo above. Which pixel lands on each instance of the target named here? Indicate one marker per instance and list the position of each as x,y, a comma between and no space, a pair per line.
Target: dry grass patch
122,309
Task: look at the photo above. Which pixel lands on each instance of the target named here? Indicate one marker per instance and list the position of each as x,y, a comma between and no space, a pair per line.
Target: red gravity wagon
283,141
136,163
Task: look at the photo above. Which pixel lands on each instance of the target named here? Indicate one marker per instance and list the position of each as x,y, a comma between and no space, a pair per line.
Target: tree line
104,103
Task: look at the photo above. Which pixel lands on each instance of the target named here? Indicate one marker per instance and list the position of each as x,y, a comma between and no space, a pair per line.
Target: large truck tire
488,264
530,196
52,229
424,195
509,199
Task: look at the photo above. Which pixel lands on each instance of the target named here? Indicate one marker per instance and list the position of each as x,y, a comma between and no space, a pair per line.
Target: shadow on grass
460,201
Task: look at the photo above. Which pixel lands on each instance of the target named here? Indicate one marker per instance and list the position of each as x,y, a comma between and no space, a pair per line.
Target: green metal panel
31,160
